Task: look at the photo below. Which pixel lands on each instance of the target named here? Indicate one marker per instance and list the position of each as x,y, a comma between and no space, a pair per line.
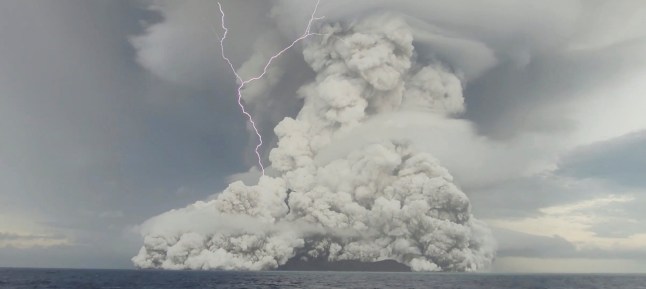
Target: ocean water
104,279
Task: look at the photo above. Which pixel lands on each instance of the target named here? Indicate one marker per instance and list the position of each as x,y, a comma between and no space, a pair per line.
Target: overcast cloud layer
106,122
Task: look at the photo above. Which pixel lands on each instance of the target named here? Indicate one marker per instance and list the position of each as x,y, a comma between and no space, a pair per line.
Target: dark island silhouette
296,264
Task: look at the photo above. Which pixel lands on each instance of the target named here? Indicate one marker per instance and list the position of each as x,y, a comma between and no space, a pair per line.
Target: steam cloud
383,200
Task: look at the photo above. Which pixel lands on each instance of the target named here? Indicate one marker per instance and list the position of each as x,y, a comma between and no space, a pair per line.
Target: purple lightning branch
242,82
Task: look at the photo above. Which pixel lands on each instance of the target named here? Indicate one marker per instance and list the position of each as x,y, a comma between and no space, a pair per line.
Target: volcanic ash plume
381,201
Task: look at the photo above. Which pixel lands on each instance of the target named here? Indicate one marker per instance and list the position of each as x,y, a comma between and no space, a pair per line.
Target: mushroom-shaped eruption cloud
379,200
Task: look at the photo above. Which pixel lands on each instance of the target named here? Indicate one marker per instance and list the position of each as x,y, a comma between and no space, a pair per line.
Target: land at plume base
18,278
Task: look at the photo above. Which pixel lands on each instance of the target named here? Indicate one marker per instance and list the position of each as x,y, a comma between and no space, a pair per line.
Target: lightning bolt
243,82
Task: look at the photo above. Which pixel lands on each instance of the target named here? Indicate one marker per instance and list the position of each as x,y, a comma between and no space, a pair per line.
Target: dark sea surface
91,279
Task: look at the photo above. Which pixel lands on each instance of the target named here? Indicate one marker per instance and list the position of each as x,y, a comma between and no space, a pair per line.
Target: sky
114,112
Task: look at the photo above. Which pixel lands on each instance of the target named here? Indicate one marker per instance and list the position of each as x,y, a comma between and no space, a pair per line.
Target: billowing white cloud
381,200
390,79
